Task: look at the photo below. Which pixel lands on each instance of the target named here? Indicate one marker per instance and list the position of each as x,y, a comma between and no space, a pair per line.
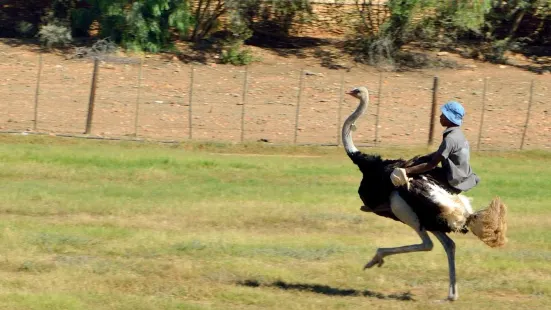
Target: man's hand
436,158
399,177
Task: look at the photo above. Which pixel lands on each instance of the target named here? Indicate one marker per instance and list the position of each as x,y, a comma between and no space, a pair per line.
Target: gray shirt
456,153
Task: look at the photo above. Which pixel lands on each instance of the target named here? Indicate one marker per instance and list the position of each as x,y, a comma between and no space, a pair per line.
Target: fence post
482,113
378,107
339,115
35,121
190,113
433,110
92,98
243,102
138,99
527,114
298,103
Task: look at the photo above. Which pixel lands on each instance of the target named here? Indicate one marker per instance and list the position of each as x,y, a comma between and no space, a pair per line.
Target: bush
53,34
496,53
237,56
25,29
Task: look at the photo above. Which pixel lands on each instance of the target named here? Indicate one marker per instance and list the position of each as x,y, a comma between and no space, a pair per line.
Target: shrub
54,34
237,55
25,29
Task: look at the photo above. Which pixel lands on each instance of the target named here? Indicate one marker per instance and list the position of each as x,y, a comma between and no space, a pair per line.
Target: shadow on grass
326,290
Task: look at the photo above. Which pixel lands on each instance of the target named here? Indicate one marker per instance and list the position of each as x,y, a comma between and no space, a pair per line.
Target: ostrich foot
377,260
453,294
366,209
451,297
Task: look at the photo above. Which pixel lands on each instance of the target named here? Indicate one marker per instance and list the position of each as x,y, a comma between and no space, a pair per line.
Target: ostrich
426,204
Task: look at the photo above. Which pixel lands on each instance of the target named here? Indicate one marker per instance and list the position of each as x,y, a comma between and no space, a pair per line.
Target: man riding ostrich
424,196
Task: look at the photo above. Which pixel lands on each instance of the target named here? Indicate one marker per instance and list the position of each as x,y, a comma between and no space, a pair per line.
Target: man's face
444,120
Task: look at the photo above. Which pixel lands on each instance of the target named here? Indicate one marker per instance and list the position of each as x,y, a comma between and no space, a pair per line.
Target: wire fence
169,100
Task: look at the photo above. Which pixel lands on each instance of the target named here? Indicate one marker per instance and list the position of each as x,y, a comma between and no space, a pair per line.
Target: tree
249,16
138,25
493,26
206,16
274,17
376,41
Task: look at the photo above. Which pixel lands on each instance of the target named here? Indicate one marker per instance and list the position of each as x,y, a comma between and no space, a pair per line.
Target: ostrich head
358,92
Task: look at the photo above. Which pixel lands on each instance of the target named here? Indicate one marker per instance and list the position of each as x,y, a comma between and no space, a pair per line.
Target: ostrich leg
449,247
403,212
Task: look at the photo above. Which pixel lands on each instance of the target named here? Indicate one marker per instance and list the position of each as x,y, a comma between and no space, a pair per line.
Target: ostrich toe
377,260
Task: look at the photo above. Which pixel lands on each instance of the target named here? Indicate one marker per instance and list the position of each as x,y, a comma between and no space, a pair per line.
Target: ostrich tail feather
490,224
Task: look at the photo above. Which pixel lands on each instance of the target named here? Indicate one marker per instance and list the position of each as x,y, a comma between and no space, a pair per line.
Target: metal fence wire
136,98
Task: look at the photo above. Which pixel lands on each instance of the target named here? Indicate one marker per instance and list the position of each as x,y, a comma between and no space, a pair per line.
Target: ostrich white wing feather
455,208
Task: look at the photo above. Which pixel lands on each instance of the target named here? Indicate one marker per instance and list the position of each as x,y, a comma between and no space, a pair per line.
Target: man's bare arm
436,158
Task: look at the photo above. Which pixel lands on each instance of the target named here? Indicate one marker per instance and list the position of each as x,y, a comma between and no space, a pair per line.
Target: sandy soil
401,106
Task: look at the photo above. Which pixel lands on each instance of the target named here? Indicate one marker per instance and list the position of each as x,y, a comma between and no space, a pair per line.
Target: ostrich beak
351,93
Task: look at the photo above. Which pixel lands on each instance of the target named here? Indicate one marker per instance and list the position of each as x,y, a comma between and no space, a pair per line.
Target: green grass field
121,225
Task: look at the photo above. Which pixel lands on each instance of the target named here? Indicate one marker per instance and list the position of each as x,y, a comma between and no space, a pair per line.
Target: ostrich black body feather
376,187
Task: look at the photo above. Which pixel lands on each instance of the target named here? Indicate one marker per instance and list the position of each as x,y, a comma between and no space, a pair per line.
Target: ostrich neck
347,126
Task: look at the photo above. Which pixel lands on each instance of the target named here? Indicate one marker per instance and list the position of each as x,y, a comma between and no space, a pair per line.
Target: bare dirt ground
401,109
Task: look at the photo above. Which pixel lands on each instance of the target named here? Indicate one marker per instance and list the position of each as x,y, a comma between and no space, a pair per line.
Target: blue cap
454,112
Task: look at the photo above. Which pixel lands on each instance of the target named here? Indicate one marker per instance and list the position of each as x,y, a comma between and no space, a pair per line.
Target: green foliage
497,49
240,25
24,18
232,47
25,29
457,15
440,23
137,25
81,20
494,26
153,25
54,35
237,55
434,20
248,16
287,12
205,17
148,23
379,47
469,16
58,11
276,16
